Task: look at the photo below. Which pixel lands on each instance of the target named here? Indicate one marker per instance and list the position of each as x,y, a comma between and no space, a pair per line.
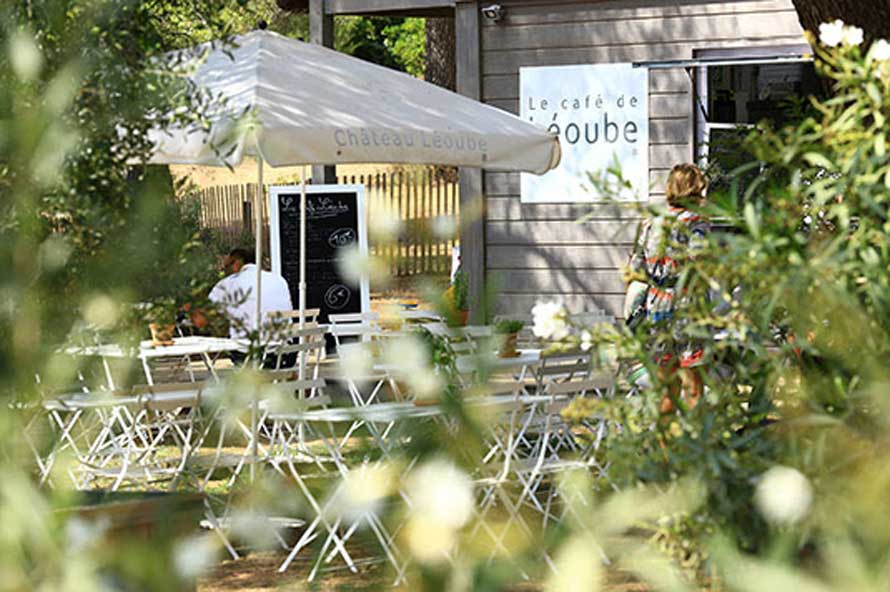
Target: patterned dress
663,244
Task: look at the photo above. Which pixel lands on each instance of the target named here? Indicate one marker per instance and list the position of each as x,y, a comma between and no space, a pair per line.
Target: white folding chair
326,519
497,482
548,444
349,327
310,316
130,430
301,350
288,393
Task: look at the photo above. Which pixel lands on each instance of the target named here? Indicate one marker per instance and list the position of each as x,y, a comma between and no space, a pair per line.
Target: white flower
193,556
406,356
55,252
101,311
255,527
363,490
84,534
783,495
426,385
880,50
386,224
444,227
831,34
441,501
586,340
852,36
550,320
408,359
25,56
441,493
356,361
578,566
429,541
356,266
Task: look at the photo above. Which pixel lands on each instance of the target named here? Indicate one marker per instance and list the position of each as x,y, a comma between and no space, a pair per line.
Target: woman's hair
685,185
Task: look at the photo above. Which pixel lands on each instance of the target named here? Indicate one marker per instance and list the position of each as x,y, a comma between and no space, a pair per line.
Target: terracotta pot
463,316
198,318
161,334
508,347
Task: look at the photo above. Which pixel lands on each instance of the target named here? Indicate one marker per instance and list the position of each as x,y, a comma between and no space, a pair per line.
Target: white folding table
208,349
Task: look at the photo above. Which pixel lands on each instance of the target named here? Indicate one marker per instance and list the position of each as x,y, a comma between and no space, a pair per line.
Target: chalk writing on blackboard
325,207
342,237
333,224
337,296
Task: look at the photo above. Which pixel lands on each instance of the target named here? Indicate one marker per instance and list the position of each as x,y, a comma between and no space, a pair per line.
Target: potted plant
444,362
509,329
461,290
161,313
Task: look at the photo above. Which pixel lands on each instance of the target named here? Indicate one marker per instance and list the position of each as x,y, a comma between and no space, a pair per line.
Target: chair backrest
477,331
418,315
437,328
285,383
473,338
363,326
572,388
354,317
310,315
309,332
591,317
304,347
563,367
463,340
509,389
293,331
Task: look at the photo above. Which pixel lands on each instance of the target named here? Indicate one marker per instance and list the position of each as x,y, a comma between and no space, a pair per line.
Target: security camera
494,12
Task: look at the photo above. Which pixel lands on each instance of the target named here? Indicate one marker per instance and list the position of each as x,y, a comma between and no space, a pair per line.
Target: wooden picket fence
425,201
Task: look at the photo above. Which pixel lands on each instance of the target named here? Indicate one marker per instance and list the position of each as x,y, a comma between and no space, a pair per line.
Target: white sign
601,113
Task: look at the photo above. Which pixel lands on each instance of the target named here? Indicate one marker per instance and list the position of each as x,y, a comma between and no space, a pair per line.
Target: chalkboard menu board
335,222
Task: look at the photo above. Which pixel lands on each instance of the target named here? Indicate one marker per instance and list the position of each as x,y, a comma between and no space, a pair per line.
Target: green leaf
818,160
752,221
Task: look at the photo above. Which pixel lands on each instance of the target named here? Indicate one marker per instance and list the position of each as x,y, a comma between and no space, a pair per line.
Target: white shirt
237,296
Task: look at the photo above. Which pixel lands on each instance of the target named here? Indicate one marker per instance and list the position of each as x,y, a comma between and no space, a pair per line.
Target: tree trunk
440,66
873,16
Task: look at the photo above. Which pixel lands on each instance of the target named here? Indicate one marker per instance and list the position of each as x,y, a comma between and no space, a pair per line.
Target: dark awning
725,61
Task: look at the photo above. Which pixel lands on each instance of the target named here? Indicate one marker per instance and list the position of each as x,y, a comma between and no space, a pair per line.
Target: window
737,88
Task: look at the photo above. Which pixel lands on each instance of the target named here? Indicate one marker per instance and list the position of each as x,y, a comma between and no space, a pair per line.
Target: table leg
147,370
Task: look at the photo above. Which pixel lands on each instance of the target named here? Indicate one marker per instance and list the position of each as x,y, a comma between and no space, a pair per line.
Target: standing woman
664,246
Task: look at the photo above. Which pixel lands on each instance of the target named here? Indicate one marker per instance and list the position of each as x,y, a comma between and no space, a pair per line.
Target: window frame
731,56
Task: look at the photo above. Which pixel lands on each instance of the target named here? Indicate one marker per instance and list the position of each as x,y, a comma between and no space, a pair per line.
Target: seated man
236,293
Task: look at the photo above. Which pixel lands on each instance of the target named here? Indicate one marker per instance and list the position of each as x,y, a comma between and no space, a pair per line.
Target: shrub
793,312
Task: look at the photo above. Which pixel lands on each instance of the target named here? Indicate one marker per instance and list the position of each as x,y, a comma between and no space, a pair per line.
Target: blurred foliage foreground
793,310
775,480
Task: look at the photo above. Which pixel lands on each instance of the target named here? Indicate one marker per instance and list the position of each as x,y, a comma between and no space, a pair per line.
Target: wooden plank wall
538,251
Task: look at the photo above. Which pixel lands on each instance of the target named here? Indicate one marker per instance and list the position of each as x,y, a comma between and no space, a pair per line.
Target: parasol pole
258,197
302,286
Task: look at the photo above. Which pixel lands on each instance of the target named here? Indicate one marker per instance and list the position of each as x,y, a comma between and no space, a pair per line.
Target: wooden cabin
708,66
